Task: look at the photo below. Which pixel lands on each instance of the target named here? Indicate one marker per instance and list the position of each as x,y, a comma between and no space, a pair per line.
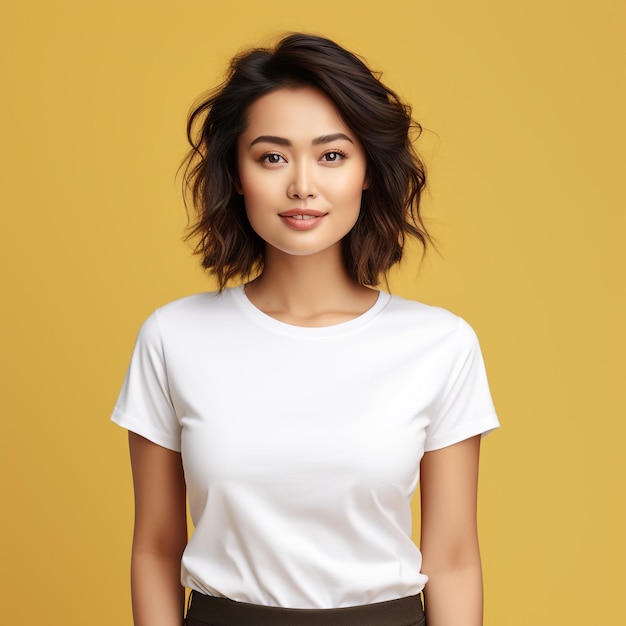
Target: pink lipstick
302,219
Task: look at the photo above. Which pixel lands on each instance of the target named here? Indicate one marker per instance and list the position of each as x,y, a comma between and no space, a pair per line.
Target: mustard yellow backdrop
524,109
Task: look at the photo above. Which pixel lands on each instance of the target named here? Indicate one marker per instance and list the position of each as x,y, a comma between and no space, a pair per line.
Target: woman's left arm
449,537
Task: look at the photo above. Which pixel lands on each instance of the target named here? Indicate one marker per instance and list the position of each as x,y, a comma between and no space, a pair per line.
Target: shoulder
196,306
432,331
427,318
421,311
188,305
188,314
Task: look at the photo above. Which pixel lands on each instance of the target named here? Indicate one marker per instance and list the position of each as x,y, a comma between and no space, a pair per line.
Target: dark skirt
209,611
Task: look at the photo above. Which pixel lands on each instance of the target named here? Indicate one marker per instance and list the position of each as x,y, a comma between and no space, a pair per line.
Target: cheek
248,177
255,186
350,191
249,189
256,200
259,201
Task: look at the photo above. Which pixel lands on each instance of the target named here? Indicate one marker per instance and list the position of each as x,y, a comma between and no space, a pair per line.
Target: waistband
225,612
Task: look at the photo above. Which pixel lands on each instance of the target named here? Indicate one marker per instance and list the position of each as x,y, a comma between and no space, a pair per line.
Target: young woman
297,410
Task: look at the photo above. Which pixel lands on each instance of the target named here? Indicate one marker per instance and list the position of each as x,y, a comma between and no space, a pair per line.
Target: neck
312,290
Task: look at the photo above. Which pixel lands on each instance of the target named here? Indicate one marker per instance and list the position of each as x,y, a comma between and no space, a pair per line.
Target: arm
449,538
160,534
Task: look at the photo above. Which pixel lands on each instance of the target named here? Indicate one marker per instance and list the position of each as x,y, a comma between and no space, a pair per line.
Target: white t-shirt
301,446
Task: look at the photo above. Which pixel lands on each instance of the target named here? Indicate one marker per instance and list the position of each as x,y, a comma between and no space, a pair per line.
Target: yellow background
524,105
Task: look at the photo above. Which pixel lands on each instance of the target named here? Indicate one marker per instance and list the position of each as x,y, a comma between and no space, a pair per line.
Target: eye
333,156
272,158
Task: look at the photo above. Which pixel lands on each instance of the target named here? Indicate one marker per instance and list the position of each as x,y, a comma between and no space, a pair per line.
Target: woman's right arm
160,534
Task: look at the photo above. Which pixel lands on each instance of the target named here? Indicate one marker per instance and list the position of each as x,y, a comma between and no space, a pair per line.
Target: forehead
294,112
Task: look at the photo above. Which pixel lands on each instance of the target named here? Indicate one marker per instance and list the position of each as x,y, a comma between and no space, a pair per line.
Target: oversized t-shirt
301,446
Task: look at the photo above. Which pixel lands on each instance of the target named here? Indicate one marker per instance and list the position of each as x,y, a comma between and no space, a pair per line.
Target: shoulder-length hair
227,244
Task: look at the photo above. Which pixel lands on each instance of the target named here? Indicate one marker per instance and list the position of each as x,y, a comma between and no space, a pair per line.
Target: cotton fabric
301,446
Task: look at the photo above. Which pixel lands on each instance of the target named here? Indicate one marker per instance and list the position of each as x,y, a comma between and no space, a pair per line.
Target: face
301,171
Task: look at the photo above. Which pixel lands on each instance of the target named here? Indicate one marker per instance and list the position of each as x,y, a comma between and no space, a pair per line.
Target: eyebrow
281,141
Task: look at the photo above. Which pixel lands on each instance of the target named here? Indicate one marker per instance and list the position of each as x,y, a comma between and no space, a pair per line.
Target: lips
302,213
302,219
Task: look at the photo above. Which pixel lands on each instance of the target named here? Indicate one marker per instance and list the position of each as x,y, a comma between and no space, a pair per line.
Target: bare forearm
158,596
454,597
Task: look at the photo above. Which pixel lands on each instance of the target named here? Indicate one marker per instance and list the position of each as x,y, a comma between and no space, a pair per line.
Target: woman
297,410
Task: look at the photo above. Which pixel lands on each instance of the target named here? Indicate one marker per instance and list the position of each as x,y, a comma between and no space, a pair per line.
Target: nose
302,184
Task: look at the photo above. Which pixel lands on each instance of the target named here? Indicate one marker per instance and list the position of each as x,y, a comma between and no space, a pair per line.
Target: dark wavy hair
227,244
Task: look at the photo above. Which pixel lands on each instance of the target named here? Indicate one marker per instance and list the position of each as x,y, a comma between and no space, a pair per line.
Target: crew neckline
314,332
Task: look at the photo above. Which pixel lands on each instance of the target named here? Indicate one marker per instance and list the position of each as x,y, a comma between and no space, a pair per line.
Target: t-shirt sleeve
144,405
465,407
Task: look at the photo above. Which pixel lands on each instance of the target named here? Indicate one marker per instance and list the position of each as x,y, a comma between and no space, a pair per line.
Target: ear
368,177
237,186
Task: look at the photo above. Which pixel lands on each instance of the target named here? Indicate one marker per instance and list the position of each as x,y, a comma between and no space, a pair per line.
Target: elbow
451,556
